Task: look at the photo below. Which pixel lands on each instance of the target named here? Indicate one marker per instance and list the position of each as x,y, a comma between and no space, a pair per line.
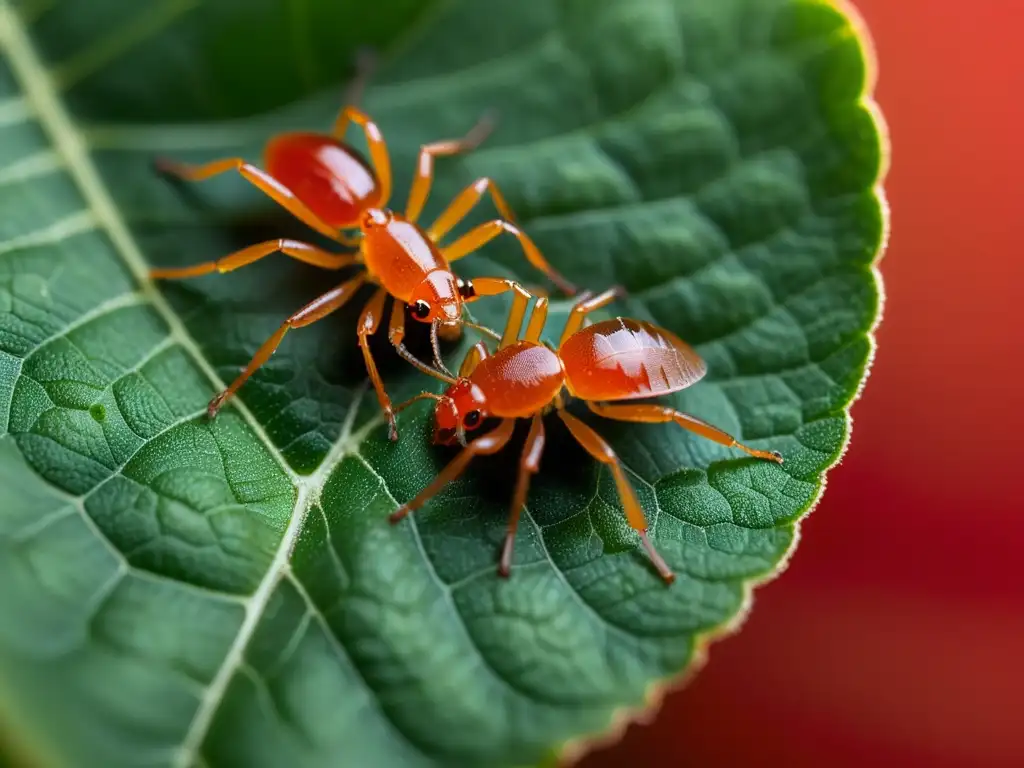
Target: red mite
329,186
618,359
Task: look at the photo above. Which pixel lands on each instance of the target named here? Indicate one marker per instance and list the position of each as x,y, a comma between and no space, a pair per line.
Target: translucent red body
331,178
618,359
338,185
329,186
608,361
625,359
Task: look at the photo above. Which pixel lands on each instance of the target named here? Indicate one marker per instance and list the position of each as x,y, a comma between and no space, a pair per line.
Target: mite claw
566,287
392,428
659,564
505,562
777,456
366,59
491,116
214,406
398,514
483,128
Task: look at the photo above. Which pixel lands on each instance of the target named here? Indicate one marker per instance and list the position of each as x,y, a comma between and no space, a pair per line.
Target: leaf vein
446,594
345,658
121,40
30,167
73,224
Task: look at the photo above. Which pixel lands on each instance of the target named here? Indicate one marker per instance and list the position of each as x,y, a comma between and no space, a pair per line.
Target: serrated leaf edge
572,750
40,92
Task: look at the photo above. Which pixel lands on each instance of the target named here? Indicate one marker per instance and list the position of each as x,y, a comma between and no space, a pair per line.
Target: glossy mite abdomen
329,177
624,359
519,380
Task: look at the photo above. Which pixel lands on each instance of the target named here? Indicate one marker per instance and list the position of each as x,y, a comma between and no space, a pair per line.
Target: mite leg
317,309
586,306
263,181
482,328
375,141
472,359
416,398
492,442
464,202
435,345
529,464
296,249
369,322
650,413
600,450
396,335
493,286
479,236
425,165
366,63
538,317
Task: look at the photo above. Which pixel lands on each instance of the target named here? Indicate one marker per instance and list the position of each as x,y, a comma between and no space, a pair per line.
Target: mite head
452,331
462,408
437,299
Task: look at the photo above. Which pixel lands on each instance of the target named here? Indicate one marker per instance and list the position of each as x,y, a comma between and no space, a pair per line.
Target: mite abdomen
520,379
332,179
625,359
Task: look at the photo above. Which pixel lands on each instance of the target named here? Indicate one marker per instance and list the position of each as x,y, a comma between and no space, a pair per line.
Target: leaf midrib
308,494
41,96
61,128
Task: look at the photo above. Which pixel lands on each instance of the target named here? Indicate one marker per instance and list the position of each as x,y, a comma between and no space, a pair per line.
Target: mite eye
420,310
472,419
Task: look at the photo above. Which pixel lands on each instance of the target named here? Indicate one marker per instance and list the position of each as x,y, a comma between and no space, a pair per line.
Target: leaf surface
185,592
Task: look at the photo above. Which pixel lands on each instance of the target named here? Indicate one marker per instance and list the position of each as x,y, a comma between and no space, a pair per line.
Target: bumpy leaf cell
184,592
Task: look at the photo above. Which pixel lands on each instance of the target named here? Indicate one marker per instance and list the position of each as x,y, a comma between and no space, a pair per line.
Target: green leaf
185,592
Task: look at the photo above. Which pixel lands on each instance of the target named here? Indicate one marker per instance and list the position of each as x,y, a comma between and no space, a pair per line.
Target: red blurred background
896,636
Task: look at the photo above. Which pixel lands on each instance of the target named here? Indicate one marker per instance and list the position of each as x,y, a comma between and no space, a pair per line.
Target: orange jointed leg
263,181
369,322
472,359
296,249
425,165
375,141
493,286
479,236
585,306
529,464
315,310
601,451
660,414
538,317
464,202
396,335
492,442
